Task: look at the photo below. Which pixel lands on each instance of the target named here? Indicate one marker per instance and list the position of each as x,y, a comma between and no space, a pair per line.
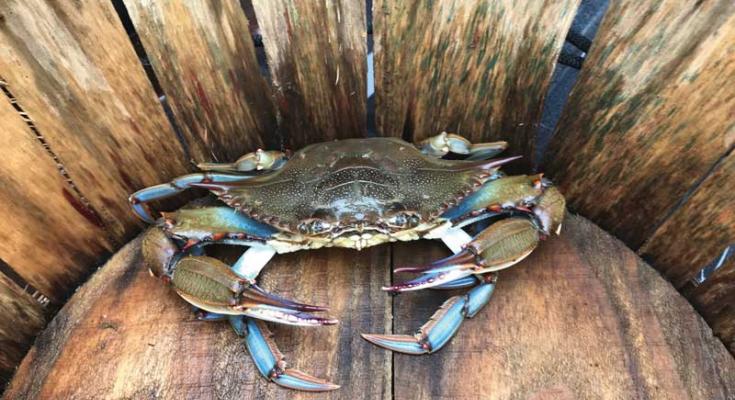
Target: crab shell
356,193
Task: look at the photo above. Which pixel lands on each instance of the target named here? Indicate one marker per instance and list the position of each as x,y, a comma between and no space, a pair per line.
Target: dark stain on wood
85,212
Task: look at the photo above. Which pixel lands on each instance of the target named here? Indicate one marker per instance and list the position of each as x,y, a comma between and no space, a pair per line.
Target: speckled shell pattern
355,181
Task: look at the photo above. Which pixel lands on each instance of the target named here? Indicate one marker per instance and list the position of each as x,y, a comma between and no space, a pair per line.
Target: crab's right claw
211,285
269,360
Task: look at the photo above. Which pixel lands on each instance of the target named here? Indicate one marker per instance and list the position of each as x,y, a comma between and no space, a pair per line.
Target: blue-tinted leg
461,283
442,326
139,199
269,360
209,316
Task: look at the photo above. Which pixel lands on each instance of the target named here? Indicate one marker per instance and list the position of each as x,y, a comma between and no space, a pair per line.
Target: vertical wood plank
204,58
651,113
691,238
478,68
48,237
73,69
317,52
20,320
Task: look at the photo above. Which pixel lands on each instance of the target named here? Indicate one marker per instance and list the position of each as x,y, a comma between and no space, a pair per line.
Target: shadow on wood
582,317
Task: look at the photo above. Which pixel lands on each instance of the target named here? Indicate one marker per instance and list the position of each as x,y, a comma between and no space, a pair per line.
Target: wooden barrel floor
582,317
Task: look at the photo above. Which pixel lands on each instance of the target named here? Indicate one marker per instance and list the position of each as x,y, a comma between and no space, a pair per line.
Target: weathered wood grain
651,113
124,335
581,318
20,320
478,68
694,236
205,61
317,52
48,237
72,68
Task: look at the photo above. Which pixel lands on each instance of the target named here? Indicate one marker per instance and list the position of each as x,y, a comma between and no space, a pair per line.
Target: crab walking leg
139,199
442,326
252,261
445,143
269,360
216,224
456,239
202,315
259,160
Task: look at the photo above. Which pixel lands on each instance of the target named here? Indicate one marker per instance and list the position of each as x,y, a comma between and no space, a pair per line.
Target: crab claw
461,258
500,246
433,279
286,316
438,273
270,362
267,298
211,285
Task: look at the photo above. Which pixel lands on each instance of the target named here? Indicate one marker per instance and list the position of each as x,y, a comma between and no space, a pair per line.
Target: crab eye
314,226
413,220
404,220
399,220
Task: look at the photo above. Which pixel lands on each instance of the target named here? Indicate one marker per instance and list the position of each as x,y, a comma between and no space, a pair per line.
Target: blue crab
352,193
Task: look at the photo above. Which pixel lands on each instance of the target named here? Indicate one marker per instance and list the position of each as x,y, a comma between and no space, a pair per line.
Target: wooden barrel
101,98
582,317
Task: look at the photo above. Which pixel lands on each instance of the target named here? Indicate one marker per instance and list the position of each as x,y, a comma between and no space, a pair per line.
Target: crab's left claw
269,360
438,273
442,326
500,246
